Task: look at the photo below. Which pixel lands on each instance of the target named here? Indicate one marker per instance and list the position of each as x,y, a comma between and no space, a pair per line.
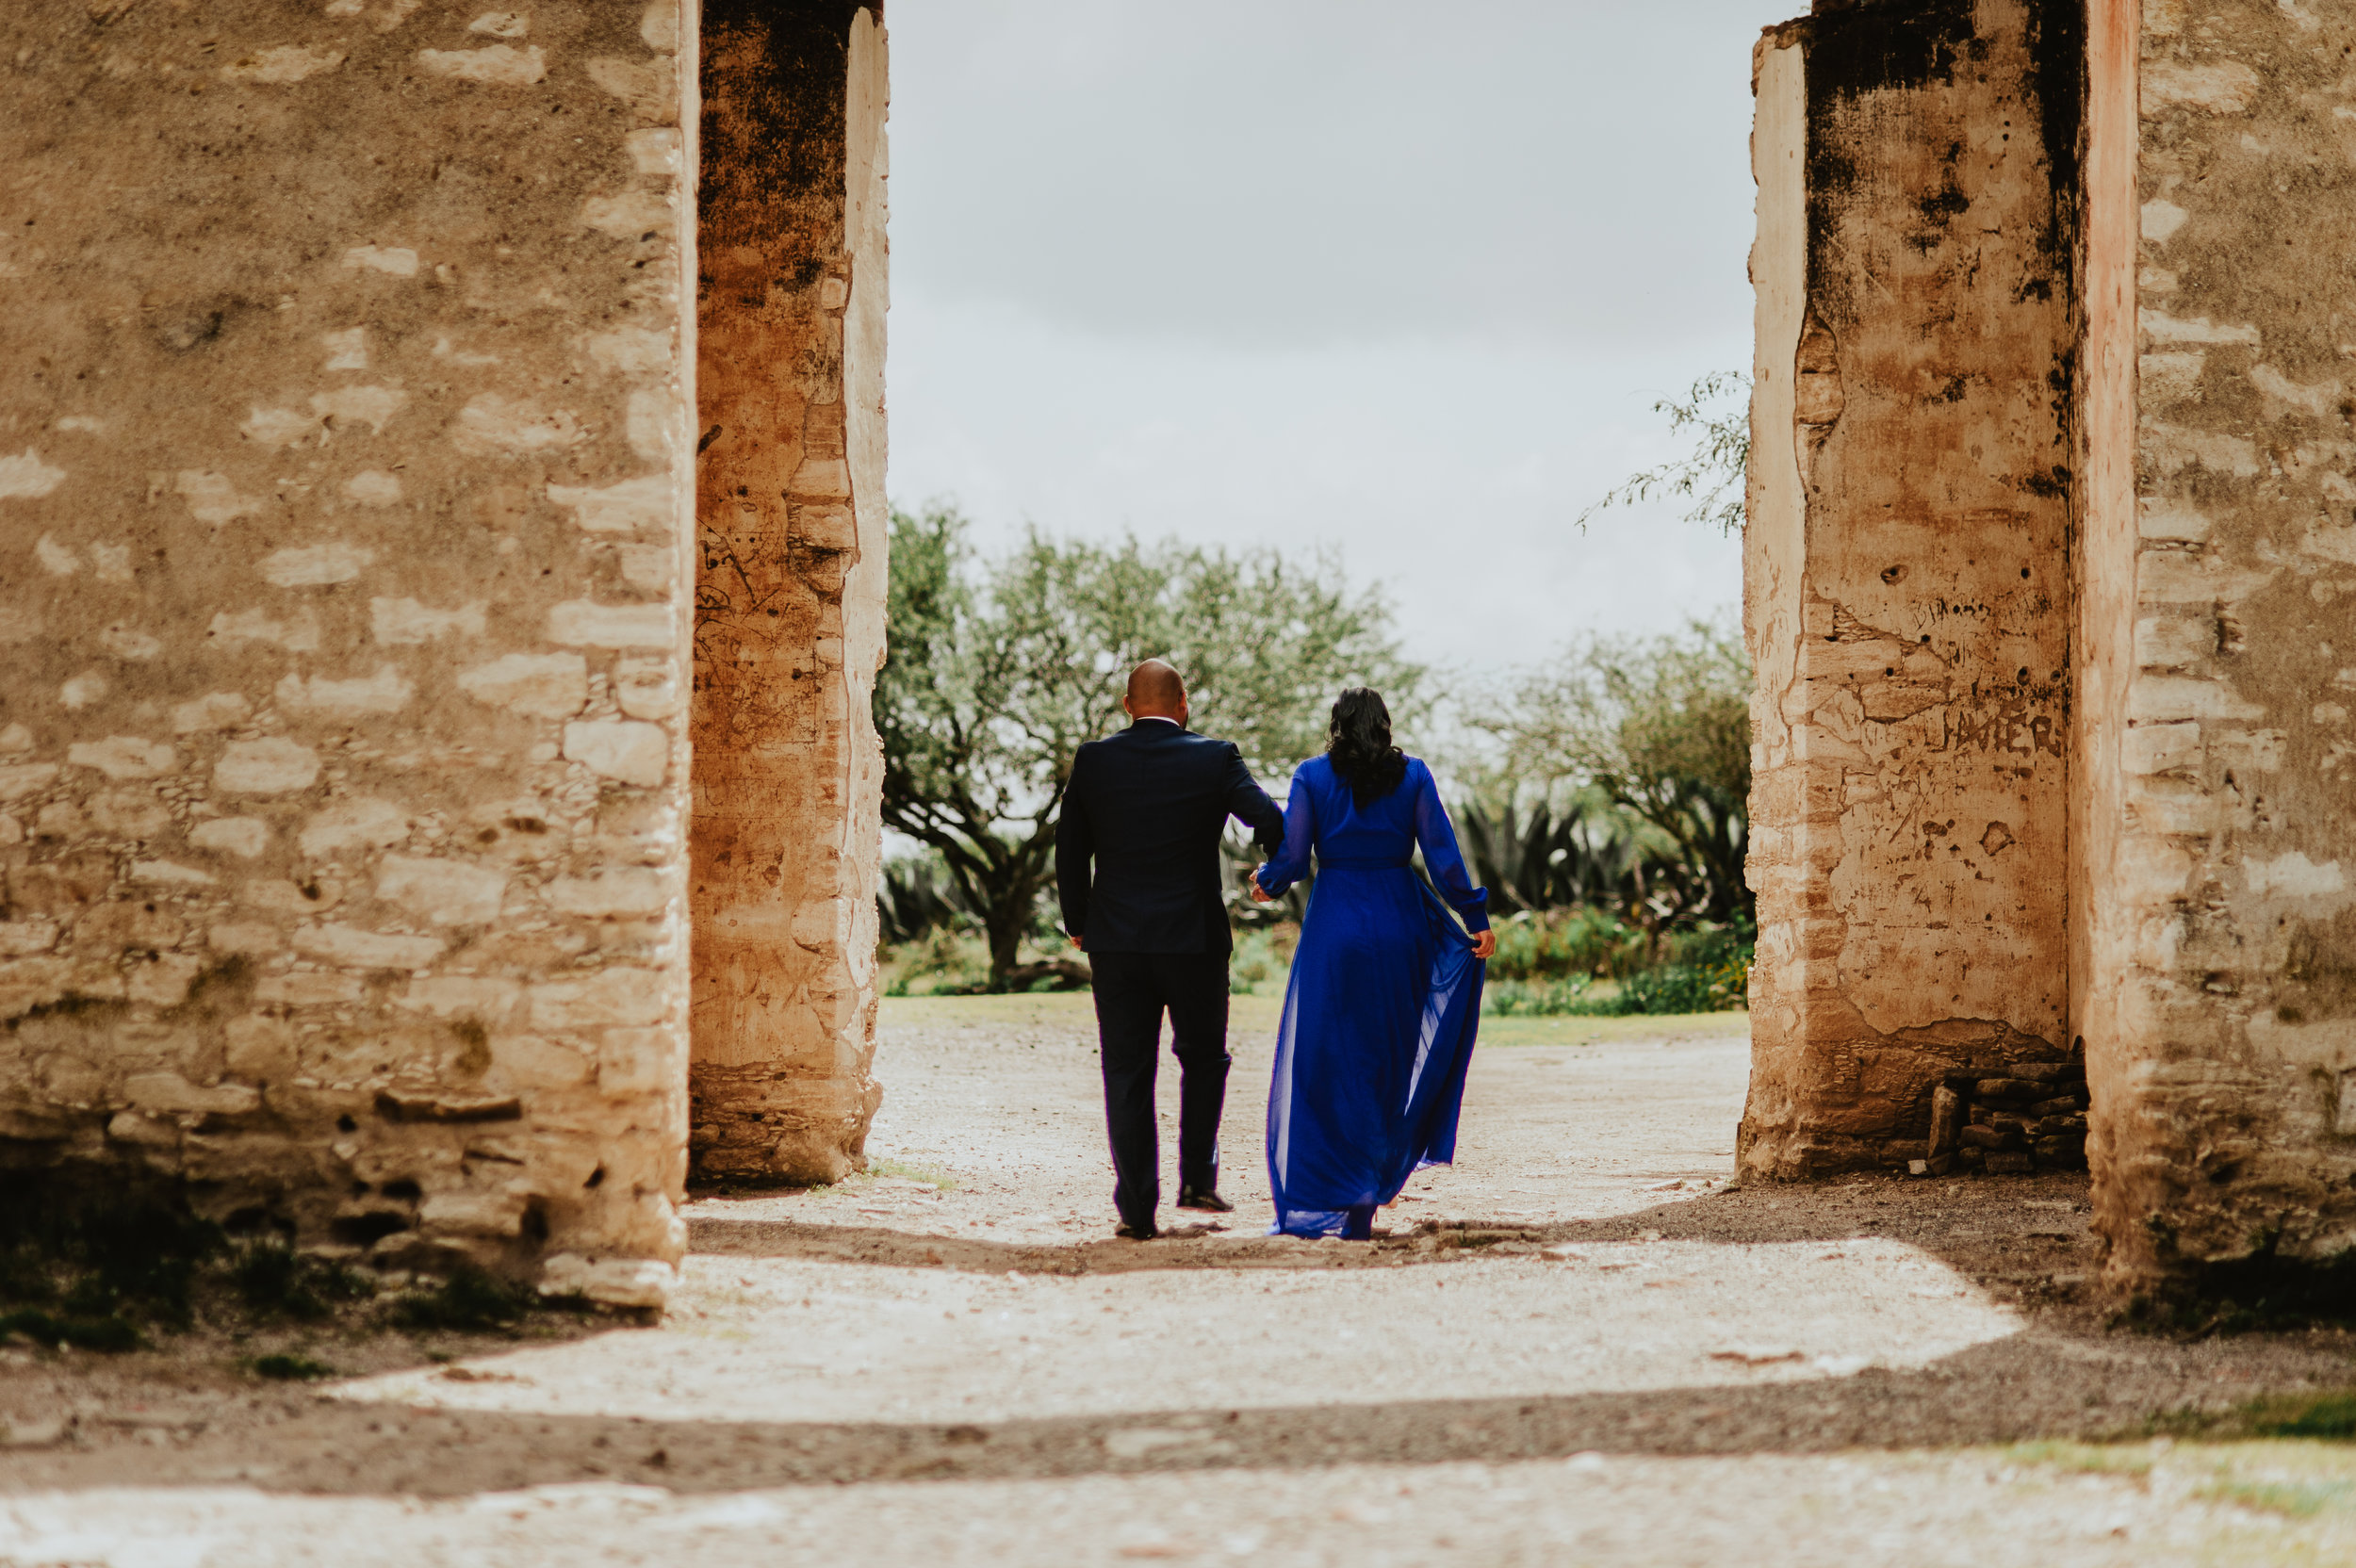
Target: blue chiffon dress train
1382,1005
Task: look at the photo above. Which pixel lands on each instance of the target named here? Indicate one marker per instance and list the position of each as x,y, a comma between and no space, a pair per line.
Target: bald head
1156,691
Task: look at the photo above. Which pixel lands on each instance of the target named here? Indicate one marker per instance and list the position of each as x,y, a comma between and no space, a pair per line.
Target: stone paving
1576,1345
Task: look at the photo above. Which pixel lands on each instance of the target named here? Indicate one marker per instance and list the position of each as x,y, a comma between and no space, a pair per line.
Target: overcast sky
1399,278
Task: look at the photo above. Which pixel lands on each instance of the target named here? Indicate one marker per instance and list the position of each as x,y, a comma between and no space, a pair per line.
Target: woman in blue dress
1384,994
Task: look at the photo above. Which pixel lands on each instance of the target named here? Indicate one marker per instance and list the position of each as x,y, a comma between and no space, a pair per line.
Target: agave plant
917,897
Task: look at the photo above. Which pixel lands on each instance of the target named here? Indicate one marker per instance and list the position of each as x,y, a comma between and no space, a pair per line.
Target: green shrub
275,1279
1670,988
1560,944
289,1368
2332,1416
1545,999
112,1333
1263,954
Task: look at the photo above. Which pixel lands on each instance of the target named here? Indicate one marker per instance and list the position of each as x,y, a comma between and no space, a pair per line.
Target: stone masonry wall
787,839
2220,1011
342,503
1907,584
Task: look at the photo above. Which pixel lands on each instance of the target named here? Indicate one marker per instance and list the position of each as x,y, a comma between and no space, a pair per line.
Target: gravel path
1575,1346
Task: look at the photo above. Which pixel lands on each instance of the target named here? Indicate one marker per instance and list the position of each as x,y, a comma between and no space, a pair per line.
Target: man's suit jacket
1136,853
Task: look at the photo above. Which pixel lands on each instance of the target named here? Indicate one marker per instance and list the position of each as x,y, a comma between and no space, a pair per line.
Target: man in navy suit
1137,868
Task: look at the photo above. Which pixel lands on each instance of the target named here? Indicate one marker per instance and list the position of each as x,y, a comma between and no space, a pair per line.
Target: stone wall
342,570
2220,1005
789,628
1908,567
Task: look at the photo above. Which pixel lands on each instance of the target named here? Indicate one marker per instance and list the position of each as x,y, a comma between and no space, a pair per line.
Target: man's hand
1080,942
1259,894
1485,944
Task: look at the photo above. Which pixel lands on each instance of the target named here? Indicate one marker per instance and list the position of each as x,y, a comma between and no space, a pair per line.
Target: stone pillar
342,519
2219,997
789,630
1907,589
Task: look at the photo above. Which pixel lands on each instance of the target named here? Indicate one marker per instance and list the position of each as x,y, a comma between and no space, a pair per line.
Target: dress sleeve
1291,862
1436,834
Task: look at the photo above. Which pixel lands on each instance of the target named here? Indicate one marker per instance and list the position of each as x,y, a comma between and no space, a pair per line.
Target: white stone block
406,622
529,1062
297,633
617,1282
2151,749
308,988
266,767
162,981
243,837
373,406
393,260
442,892
212,497
255,939
169,873
487,997
362,823
168,1094
388,691
124,757
648,504
354,948
472,1214
646,688
581,622
373,487
640,1061
315,565
613,891
625,750
543,685
215,710
491,423
631,352
616,996
500,65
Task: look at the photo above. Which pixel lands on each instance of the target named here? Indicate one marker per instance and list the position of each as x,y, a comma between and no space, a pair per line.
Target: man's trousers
1132,991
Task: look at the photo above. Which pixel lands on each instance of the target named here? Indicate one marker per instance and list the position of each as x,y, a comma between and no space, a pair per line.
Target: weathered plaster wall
787,840
2224,992
2104,566
342,740
1908,587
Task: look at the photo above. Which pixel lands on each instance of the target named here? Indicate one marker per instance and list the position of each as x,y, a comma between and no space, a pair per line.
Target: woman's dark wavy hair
1358,740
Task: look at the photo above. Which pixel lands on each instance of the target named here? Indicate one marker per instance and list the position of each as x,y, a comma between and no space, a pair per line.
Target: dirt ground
1576,1345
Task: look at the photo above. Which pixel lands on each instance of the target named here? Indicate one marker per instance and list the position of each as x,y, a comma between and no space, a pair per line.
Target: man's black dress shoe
1210,1203
1132,1233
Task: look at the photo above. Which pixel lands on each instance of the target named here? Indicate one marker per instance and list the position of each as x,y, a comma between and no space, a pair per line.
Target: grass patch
112,1333
2291,1499
939,1180
470,1302
2312,1417
2090,1459
288,1368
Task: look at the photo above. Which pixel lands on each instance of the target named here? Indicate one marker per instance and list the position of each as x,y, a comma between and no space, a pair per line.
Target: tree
1710,476
998,671
1660,727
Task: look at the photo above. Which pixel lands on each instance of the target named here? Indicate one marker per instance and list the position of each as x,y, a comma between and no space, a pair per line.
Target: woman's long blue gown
1382,1005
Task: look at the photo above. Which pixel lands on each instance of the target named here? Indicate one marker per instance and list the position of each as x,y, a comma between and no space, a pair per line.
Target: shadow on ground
2065,1376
